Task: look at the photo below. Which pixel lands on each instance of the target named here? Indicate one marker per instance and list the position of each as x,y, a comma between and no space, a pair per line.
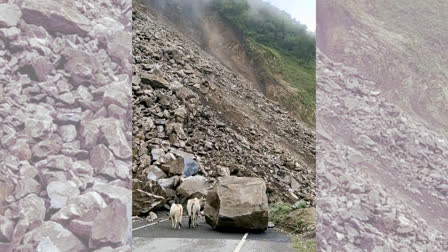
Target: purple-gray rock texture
382,145
65,128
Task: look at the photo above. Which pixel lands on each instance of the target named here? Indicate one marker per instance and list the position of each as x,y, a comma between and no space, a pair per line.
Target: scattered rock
25,187
191,167
222,171
32,208
157,153
100,157
155,173
6,229
60,193
146,196
55,16
154,81
68,133
194,186
9,14
171,182
90,202
176,167
356,205
117,217
120,45
58,237
151,217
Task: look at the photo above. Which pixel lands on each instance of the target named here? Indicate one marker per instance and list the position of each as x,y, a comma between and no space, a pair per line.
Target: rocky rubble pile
363,34
65,80
382,177
195,121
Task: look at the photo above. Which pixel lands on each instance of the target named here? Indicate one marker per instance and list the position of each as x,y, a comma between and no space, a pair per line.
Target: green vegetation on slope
283,215
295,221
271,27
302,245
277,67
281,46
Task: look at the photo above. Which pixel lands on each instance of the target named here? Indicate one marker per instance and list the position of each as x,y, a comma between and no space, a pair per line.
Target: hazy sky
302,10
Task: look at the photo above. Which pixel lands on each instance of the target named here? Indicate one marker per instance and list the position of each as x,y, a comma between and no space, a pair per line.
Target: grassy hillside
281,47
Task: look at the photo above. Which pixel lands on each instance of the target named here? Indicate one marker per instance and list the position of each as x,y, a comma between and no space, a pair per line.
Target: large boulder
90,202
176,167
115,216
32,208
25,187
9,14
169,183
6,188
6,229
55,16
181,165
194,186
155,81
60,238
238,204
147,195
61,193
154,173
191,167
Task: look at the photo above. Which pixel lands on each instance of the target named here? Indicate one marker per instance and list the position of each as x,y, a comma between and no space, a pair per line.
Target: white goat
193,209
176,215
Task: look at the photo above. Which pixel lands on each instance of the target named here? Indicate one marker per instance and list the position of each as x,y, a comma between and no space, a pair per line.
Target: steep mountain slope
382,131
401,45
382,182
187,105
248,37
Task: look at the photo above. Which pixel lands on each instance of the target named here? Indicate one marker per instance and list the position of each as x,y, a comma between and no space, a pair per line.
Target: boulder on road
238,204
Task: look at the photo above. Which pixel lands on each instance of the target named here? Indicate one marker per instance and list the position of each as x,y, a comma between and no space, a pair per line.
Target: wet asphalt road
159,236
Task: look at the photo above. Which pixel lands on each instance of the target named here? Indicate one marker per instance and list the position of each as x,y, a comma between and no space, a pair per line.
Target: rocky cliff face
194,120
382,181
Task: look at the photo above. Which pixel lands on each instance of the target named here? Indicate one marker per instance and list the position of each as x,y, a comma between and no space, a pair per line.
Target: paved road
160,237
